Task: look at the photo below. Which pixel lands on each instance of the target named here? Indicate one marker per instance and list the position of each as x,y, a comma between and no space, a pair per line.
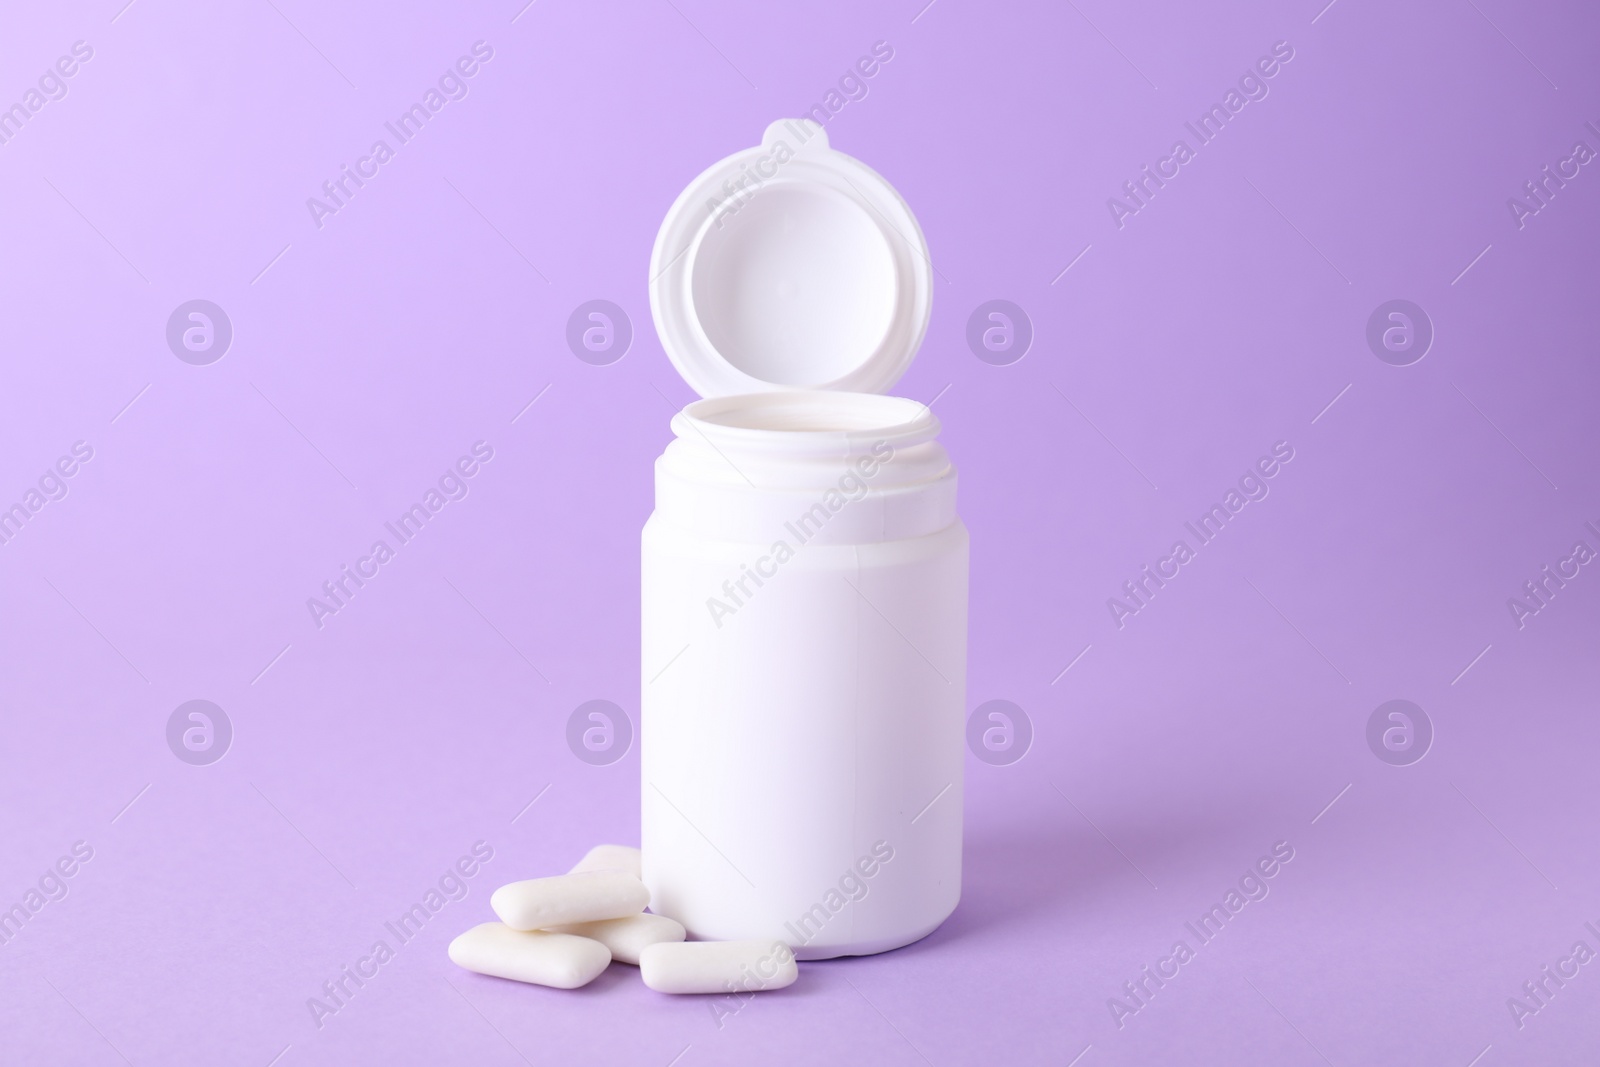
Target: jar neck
794,437
742,465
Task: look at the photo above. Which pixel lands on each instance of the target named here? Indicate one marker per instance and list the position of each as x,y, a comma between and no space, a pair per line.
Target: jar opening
815,413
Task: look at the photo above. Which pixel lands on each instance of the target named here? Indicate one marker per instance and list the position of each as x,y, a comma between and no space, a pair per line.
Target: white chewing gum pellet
610,858
569,898
559,960
717,966
627,938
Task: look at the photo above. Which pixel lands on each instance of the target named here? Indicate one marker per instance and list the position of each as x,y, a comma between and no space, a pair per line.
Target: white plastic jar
804,572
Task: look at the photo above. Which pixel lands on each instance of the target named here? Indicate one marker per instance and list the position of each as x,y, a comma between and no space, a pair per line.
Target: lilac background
1225,316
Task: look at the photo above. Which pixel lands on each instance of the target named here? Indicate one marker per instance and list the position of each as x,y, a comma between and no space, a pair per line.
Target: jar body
804,676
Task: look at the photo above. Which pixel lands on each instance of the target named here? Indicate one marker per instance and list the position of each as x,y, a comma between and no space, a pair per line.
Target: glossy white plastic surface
804,572
790,266
806,723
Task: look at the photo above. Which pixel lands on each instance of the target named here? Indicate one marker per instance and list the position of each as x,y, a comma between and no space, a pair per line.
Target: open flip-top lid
790,266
